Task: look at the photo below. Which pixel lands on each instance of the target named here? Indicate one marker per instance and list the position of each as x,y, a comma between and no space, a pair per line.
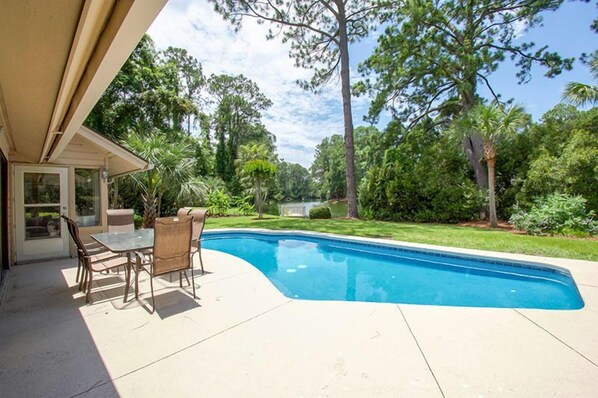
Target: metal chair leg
128,283
192,279
199,253
78,269
83,279
88,299
152,289
186,277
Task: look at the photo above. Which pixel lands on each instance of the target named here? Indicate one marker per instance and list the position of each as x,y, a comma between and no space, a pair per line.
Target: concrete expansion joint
556,338
172,354
420,350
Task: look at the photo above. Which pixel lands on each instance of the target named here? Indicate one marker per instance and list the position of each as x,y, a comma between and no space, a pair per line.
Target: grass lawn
435,234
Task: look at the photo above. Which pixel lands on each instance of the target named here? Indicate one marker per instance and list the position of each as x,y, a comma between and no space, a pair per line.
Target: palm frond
581,94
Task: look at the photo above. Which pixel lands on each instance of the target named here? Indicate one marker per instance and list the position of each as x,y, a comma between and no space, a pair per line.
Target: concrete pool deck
243,338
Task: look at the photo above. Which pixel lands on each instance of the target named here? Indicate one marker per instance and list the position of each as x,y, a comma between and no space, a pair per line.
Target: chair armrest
93,245
98,257
143,257
96,249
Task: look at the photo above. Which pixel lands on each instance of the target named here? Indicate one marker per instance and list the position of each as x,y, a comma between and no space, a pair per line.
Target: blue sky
301,119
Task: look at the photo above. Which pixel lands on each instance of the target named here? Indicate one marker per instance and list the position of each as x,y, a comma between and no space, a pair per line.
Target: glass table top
120,242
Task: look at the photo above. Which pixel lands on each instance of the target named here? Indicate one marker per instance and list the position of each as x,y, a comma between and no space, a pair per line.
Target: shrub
137,220
433,187
319,212
271,208
218,203
556,214
243,205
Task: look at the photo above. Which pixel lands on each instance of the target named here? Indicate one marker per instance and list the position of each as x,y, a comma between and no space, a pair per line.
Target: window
87,197
42,205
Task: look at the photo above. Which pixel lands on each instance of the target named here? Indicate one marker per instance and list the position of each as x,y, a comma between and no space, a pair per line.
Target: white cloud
299,119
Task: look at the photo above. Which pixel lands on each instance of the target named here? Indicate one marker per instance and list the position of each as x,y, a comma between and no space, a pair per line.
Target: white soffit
91,24
128,21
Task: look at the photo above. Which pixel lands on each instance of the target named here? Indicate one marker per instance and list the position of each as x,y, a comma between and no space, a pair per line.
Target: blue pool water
315,268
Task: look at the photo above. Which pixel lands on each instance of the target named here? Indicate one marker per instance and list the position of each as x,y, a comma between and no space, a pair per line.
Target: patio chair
100,262
93,247
183,211
199,221
171,252
120,220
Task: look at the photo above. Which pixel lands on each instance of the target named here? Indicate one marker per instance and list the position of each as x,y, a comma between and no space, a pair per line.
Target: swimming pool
312,267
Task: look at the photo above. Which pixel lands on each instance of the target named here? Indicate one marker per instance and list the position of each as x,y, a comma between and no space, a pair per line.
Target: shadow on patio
53,344
47,349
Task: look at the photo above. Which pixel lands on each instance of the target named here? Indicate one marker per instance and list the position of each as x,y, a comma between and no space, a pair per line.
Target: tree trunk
474,145
347,113
491,193
258,193
149,211
474,149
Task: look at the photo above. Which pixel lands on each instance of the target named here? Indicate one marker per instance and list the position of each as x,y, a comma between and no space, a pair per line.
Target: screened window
87,197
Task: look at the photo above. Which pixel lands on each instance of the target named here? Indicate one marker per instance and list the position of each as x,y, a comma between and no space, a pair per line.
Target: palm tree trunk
347,112
491,162
258,190
149,210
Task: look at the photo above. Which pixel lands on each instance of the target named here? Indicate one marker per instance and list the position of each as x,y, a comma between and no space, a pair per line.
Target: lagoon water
338,209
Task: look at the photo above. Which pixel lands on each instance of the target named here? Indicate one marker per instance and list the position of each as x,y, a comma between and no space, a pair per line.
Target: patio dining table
127,243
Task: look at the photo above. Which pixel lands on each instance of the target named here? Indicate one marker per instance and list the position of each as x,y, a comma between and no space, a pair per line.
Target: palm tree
172,172
249,152
581,94
261,173
494,124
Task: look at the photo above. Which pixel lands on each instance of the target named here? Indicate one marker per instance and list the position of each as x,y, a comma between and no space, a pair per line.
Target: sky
301,119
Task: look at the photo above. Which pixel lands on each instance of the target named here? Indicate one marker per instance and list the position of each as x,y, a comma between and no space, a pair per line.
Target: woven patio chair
120,220
183,211
92,247
171,252
199,221
100,262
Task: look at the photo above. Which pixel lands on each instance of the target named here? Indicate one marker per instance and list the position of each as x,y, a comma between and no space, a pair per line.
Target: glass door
40,198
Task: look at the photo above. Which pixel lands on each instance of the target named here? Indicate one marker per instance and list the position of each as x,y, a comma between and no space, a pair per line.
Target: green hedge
319,212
